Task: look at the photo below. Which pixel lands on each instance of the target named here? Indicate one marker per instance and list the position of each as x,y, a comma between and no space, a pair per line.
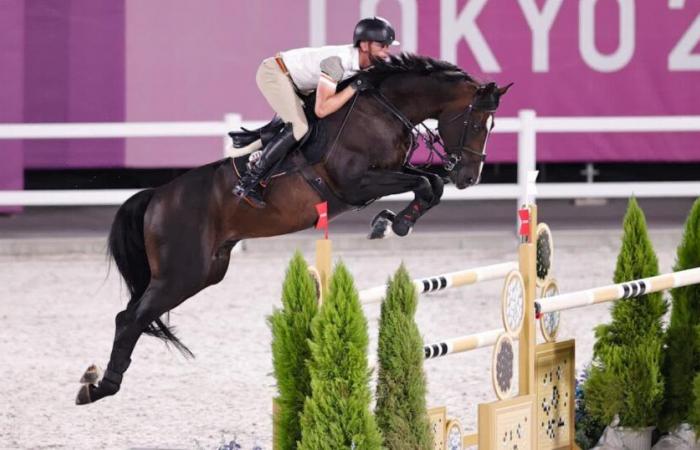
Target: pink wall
191,62
11,86
73,72
197,61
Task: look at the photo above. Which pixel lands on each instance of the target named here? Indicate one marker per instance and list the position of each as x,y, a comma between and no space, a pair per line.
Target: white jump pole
446,280
462,344
619,291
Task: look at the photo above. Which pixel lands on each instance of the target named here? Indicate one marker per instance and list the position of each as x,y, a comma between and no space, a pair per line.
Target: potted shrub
625,378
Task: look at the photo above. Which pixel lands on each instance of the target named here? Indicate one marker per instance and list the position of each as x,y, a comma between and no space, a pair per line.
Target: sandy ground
57,312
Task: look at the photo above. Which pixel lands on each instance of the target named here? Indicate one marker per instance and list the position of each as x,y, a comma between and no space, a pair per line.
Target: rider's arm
328,100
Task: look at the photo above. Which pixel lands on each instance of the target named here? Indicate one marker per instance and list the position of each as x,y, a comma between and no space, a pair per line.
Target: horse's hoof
401,227
382,229
83,397
92,375
381,225
383,216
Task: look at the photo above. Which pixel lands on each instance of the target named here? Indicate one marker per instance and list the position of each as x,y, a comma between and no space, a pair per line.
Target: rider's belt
283,68
281,64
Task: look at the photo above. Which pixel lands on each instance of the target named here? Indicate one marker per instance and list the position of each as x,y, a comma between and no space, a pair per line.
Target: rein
342,126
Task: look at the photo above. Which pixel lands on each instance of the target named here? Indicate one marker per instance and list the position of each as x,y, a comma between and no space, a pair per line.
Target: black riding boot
276,149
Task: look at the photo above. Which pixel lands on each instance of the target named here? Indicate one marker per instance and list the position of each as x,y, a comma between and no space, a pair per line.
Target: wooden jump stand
541,415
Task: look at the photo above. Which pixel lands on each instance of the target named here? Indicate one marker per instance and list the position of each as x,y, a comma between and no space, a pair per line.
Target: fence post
232,121
527,151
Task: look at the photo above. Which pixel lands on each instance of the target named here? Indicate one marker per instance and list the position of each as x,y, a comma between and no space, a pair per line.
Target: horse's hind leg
130,324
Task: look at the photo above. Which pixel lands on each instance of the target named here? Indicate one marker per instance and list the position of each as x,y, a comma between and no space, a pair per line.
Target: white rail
445,280
462,344
527,125
619,291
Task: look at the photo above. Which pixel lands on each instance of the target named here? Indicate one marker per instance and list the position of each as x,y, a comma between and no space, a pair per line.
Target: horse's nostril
470,181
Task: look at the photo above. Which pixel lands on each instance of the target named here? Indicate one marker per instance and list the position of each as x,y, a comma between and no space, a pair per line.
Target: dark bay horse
171,242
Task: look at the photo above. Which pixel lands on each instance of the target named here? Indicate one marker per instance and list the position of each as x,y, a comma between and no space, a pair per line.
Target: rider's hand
361,83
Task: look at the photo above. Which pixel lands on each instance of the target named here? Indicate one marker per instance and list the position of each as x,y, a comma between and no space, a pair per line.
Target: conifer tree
291,330
401,410
626,377
694,416
682,355
337,414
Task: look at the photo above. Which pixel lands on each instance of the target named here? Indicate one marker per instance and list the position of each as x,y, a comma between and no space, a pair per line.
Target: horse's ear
502,90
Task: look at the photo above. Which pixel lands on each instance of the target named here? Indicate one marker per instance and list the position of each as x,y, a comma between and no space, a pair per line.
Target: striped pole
619,291
446,280
462,344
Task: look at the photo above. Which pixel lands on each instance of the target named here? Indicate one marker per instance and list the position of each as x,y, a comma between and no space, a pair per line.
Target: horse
175,240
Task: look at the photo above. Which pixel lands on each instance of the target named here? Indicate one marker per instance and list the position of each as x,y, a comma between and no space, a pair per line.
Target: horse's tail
127,248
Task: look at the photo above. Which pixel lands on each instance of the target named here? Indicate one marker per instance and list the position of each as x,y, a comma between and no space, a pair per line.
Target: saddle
310,150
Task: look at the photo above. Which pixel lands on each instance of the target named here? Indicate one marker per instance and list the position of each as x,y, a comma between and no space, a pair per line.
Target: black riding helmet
376,29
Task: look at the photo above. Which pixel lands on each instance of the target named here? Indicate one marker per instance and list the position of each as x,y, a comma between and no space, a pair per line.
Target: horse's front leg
378,183
436,184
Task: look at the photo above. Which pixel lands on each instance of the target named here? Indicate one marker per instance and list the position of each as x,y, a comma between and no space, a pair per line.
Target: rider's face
379,50
375,50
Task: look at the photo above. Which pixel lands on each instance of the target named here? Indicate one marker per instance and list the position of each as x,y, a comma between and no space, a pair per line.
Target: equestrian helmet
376,29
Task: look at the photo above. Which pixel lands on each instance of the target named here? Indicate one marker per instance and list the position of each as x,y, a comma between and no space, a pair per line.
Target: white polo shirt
304,64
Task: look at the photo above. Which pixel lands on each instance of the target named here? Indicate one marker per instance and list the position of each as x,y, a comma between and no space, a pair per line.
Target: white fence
527,125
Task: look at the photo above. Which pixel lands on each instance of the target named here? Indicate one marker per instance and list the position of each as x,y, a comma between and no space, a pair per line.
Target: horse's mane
407,63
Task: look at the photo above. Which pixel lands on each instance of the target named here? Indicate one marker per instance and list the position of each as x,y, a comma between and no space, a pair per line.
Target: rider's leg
275,150
279,92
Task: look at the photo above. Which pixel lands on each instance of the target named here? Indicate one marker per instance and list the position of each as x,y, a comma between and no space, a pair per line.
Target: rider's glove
361,82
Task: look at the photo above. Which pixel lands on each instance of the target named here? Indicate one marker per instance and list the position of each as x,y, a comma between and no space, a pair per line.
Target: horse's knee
423,188
438,187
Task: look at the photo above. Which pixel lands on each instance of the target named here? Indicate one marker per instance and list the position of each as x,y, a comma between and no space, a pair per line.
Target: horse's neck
418,99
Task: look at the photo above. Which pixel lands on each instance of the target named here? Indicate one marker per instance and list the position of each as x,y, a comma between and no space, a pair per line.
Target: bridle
451,156
455,156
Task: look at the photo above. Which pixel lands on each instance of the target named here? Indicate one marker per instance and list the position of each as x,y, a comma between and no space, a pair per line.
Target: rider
302,70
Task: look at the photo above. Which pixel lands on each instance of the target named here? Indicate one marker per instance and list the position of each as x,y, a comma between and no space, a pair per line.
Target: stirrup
254,199
251,195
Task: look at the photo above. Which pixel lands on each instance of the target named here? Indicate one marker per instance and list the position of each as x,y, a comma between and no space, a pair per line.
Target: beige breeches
279,92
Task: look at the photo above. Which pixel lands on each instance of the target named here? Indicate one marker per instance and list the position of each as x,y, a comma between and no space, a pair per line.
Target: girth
335,203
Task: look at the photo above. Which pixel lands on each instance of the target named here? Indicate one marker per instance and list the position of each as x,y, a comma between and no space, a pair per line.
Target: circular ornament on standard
503,366
454,435
549,322
545,253
316,276
513,303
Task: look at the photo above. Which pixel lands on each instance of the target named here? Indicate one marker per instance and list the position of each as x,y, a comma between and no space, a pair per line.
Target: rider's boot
248,185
